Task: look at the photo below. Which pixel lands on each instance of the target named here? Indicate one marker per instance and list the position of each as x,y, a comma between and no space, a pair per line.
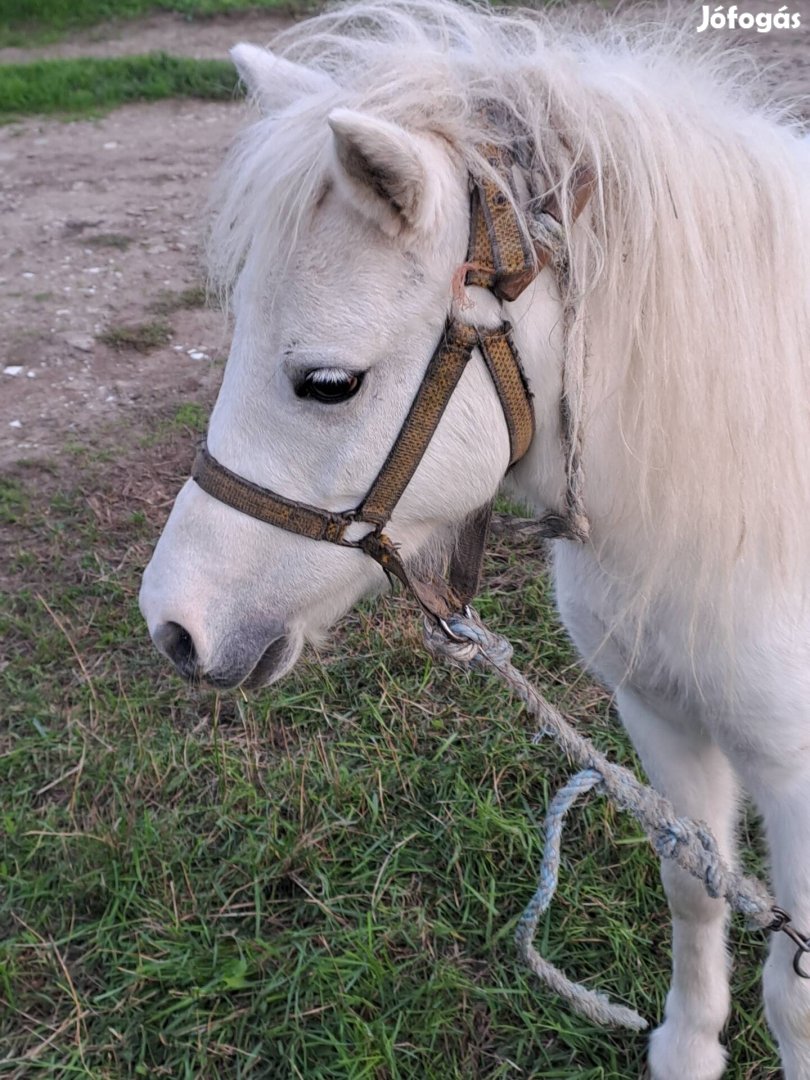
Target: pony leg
686,766
785,807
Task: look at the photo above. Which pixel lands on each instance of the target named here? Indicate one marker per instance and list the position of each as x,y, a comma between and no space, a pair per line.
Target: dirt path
100,218
203,39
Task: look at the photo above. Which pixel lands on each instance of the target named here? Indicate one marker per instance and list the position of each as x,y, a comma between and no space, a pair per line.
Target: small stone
195,354
31,374
156,249
13,369
110,145
27,275
82,342
15,424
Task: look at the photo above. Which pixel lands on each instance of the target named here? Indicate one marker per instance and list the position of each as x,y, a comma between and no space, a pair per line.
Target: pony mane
689,269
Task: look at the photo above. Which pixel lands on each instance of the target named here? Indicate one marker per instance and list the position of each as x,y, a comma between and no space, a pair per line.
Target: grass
318,881
190,416
170,300
39,21
90,86
137,337
116,241
146,336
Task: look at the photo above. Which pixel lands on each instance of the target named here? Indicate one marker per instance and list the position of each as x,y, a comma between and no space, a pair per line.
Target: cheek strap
446,366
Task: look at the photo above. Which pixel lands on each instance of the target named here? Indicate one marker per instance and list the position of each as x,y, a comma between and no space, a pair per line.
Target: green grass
37,21
318,881
190,416
91,86
145,336
137,337
170,300
117,241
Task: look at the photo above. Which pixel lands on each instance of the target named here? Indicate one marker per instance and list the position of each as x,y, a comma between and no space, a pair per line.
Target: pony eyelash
330,375
330,386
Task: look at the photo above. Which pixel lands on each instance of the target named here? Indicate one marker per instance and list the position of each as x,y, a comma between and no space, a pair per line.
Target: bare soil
203,39
136,180
100,217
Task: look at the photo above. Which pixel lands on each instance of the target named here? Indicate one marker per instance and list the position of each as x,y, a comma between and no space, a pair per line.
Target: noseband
502,259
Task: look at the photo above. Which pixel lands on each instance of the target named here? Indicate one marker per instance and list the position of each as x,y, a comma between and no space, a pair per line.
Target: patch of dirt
102,222
100,218
202,38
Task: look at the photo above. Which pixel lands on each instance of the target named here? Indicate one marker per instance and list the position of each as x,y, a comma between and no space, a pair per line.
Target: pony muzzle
252,660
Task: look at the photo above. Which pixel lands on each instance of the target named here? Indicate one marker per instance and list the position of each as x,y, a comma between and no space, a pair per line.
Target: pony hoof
680,1054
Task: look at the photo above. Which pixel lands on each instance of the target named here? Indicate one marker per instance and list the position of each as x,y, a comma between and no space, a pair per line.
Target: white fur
273,82
342,216
385,171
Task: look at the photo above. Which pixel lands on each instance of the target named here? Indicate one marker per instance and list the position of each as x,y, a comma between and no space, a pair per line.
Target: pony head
341,226
348,267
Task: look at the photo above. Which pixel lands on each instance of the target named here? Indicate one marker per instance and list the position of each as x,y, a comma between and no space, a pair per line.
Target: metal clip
782,922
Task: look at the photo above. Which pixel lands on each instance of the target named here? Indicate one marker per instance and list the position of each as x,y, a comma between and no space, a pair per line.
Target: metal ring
782,923
445,628
797,960
780,919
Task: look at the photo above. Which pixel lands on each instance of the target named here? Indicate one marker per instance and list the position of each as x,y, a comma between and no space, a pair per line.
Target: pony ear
273,81
384,167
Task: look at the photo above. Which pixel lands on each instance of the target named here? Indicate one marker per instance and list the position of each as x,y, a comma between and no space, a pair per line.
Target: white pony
343,217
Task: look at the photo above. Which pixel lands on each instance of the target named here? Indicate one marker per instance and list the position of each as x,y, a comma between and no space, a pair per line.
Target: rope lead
688,843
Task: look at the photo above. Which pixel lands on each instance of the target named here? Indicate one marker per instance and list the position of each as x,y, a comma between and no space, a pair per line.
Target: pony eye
329,385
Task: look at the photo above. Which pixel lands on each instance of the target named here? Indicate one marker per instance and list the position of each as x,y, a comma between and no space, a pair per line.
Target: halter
503,260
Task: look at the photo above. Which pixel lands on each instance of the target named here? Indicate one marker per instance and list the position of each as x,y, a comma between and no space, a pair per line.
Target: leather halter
502,259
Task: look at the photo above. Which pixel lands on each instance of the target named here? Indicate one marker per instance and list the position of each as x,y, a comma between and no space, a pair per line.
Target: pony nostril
176,642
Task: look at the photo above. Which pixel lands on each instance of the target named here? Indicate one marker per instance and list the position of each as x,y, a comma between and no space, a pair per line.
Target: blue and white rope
688,843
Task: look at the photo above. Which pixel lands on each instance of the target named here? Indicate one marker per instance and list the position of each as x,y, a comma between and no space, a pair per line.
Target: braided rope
688,843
